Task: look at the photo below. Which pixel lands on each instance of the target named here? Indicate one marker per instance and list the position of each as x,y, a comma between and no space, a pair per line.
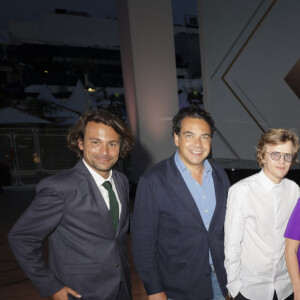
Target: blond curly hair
277,137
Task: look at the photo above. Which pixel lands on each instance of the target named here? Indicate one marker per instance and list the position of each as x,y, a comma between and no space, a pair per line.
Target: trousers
241,297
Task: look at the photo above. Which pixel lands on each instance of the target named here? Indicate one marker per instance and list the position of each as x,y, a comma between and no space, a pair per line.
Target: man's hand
158,296
227,297
63,294
296,294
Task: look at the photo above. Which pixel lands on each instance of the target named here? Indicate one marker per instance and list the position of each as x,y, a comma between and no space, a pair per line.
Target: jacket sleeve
234,233
25,238
145,236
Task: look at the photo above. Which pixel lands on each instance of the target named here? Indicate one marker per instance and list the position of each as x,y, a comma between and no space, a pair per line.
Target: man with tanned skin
85,215
179,213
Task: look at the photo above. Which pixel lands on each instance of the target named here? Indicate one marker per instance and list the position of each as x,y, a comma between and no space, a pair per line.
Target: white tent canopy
78,100
10,115
63,113
45,94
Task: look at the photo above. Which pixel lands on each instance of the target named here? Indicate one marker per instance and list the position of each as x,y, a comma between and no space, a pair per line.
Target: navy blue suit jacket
85,253
170,243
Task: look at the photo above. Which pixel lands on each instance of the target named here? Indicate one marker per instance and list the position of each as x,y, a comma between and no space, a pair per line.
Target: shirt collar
182,168
98,178
267,182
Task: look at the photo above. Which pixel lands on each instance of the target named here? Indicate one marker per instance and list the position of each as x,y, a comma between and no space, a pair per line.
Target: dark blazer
170,243
85,253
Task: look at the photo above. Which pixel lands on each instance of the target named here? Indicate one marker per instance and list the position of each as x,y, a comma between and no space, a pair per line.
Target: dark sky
30,10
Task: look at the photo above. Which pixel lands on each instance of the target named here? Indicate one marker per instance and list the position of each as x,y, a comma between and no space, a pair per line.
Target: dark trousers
122,295
241,297
122,292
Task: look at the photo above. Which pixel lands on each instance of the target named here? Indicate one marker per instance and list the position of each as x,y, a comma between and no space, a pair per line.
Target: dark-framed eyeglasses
277,155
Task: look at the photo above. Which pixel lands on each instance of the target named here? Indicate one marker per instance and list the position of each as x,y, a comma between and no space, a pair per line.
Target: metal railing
28,155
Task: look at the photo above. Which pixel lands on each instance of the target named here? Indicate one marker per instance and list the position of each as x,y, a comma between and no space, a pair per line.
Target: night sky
30,10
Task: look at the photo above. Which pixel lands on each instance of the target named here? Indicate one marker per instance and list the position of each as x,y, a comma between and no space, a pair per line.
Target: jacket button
117,265
207,275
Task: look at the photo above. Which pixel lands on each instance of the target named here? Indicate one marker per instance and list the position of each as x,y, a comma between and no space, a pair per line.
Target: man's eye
95,142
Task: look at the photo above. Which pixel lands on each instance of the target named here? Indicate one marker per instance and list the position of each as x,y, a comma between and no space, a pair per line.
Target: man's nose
103,149
199,141
281,159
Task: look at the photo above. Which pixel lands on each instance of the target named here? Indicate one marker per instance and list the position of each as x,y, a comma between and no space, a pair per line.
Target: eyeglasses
277,155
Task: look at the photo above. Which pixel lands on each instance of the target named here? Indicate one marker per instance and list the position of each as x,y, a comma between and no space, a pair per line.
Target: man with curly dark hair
85,215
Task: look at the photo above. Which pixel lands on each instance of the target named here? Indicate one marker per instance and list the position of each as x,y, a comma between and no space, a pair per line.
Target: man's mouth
196,152
103,158
281,168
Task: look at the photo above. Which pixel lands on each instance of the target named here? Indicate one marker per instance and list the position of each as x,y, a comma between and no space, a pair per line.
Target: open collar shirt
257,214
203,194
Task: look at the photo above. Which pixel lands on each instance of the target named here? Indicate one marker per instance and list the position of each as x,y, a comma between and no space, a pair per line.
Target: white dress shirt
257,214
99,181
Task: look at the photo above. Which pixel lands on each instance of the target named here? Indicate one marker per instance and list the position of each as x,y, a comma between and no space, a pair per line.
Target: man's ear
263,160
80,144
176,138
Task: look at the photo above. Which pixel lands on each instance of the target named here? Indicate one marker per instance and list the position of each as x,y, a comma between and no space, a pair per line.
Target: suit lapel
96,197
218,193
184,193
182,190
121,194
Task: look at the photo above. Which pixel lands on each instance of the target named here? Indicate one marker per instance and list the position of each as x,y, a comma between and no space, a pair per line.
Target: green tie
113,203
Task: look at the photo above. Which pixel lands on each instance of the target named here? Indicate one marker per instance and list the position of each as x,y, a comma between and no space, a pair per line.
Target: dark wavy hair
276,137
192,112
78,130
